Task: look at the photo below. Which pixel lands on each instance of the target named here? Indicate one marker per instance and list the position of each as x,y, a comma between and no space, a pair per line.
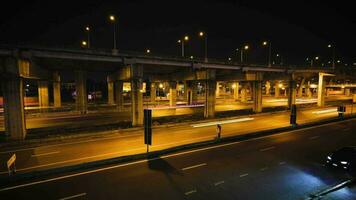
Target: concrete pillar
268,87
257,96
153,92
43,100
57,90
292,93
172,93
276,89
119,97
244,93
81,91
210,92
136,103
347,91
300,91
217,89
236,90
14,117
111,100
321,91
308,91
192,92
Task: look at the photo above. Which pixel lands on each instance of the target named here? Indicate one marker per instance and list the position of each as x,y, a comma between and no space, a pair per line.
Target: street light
265,43
182,41
333,54
202,34
112,19
148,51
84,43
246,47
87,30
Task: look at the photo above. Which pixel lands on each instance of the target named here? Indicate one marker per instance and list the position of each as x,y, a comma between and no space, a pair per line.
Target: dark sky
297,29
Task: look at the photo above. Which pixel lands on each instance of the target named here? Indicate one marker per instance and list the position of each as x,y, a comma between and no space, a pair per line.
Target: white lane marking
194,166
190,192
314,137
167,156
222,122
264,169
243,175
44,154
325,111
219,183
268,148
282,163
74,196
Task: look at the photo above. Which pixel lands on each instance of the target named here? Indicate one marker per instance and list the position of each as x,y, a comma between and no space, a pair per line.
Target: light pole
84,44
265,43
202,34
333,54
87,30
182,41
312,60
246,47
112,19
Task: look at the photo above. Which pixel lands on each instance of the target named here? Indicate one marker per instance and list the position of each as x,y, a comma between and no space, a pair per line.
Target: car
344,158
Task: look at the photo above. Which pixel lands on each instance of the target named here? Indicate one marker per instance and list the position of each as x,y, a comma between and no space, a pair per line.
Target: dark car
343,158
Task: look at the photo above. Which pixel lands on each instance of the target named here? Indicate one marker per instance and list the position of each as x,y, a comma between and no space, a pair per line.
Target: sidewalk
130,142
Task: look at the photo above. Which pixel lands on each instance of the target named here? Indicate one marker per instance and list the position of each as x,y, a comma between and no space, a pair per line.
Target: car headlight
344,162
329,158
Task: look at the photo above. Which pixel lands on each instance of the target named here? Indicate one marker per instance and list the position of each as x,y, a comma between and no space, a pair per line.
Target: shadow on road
162,165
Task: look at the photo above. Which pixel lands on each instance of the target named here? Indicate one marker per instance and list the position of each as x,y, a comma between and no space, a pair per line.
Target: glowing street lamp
246,47
182,41
112,19
333,54
84,43
87,30
148,51
202,34
265,43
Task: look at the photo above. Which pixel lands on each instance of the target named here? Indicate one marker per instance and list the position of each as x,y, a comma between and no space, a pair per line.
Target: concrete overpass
46,65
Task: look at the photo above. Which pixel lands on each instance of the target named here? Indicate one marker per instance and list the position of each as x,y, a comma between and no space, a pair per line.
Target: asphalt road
128,142
283,166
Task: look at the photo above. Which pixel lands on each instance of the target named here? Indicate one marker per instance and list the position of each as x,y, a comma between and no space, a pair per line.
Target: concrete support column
153,92
111,100
257,96
236,90
308,91
217,89
119,97
81,91
136,103
244,93
172,93
276,89
321,91
14,117
43,100
300,90
210,92
192,92
347,91
292,93
268,87
57,90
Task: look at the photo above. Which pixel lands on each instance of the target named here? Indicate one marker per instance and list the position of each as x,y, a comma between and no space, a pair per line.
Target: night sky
297,29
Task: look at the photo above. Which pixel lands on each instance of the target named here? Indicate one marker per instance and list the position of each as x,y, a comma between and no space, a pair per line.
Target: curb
155,154
326,191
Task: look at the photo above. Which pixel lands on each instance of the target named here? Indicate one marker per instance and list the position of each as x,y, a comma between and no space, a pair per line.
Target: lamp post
202,34
84,44
265,43
112,19
333,54
246,47
87,30
182,41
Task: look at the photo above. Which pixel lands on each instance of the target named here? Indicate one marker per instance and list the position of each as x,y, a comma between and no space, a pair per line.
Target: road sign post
148,127
341,110
11,166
